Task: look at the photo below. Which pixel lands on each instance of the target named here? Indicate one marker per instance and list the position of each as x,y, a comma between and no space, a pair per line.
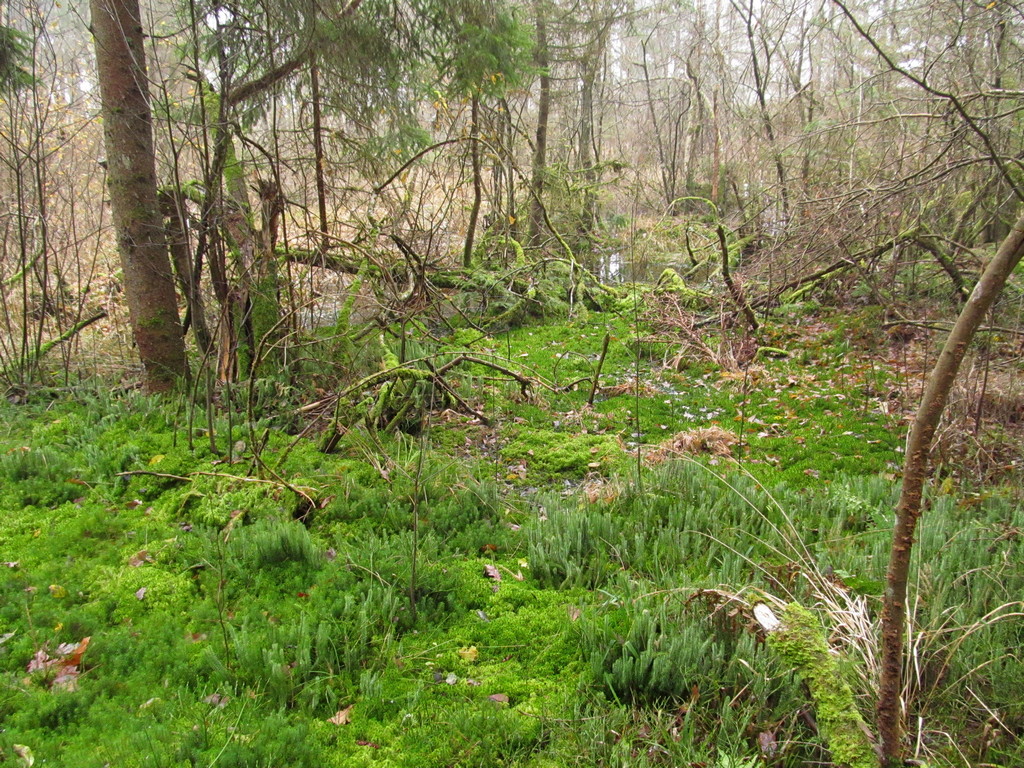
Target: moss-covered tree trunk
131,169
248,283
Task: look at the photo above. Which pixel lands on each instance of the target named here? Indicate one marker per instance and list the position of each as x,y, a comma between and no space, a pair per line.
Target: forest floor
531,580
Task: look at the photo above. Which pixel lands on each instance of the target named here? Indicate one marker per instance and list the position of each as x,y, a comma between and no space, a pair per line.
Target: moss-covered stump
799,640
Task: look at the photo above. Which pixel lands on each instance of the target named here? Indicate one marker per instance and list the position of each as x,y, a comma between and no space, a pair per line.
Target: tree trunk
474,211
668,176
318,156
716,152
760,89
127,129
178,243
891,714
540,149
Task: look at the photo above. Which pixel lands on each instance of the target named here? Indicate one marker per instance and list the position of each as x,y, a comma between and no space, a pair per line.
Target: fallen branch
847,262
597,370
737,295
929,326
298,490
34,356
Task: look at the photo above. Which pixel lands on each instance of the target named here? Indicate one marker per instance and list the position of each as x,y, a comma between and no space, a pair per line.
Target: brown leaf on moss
342,716
140,557
65,664
217,700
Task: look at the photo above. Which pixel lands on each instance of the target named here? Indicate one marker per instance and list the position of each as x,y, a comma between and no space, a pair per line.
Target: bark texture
131,169
890,710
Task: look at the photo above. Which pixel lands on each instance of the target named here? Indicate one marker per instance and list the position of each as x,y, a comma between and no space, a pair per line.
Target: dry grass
695,442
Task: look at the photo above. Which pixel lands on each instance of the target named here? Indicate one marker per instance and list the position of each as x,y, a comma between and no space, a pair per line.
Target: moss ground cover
537,591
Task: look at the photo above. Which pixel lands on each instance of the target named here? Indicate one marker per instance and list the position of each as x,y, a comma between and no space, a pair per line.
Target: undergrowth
544,590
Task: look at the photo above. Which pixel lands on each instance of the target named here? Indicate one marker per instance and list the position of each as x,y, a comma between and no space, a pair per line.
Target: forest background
387,230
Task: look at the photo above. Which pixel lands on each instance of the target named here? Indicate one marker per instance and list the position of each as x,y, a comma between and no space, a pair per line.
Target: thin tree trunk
181,258
890,710
668,178
734,290
318,155
474,211
760,89
945,261
128,133
540,149
716,152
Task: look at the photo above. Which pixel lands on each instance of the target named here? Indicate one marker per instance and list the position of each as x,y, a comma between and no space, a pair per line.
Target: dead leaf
65,664
67,680
140,557
140,594
766,740
342,716
133,504
469,654
74,657
40,660
217,700
498,698
57,591
365,743
25,755
492,572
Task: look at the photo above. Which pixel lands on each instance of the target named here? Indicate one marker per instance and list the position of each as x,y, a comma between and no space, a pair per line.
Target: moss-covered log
799,640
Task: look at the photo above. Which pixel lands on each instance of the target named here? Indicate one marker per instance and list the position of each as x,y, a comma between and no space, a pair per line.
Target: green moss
672,282
133,591
547,454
